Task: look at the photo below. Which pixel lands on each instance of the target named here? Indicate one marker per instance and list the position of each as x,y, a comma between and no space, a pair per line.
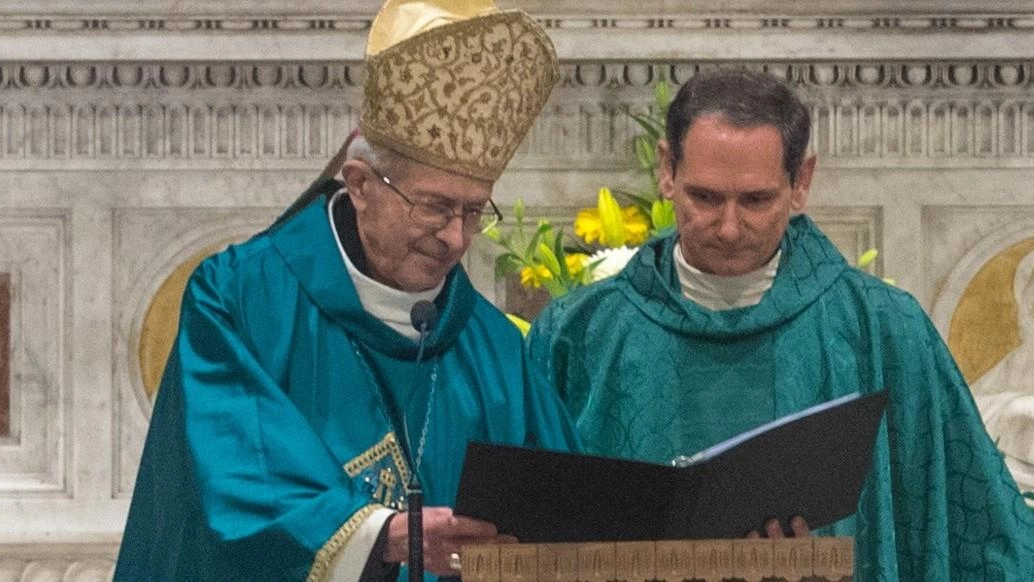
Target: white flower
609,262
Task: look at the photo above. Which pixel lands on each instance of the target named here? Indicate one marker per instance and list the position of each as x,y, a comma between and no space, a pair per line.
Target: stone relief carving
1005,393
987,310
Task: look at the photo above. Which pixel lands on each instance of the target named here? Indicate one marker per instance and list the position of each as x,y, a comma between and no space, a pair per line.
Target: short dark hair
744,99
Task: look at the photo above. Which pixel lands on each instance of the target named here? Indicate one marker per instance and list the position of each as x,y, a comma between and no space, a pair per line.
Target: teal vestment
648,375
269,443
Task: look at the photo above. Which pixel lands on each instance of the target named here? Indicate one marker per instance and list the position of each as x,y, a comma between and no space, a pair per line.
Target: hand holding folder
811,464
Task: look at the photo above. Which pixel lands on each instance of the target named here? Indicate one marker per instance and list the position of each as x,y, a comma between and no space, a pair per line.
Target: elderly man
299,400
748,313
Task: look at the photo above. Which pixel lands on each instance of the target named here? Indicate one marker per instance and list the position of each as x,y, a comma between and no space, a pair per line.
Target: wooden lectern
812,559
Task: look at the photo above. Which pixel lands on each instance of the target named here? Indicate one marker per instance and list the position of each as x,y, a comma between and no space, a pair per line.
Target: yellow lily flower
533,278
637,227
576,263
587,225
522,324
610,218
611,225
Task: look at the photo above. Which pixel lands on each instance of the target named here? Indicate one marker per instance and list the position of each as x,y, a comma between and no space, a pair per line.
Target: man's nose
729,222
452,232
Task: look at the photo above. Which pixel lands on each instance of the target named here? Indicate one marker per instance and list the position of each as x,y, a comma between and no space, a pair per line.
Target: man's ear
802,185
357,180
665,181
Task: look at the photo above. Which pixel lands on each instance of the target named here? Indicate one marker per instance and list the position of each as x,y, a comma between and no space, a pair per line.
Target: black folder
811,464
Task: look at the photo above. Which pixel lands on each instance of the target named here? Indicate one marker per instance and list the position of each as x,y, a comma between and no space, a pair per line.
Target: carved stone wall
130,145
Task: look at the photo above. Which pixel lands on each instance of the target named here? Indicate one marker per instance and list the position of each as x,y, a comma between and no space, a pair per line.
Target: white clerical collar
390,305
719,293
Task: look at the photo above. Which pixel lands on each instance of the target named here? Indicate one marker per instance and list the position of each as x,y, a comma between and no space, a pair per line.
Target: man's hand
774,529
444,534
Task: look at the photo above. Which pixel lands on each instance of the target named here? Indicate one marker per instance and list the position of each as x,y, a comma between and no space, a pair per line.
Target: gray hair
356,147
384,160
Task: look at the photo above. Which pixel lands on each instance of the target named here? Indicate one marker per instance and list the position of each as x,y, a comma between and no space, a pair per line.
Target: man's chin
424,281
727,267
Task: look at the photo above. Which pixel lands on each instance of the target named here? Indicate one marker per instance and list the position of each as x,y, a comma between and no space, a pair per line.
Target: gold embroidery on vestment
325,556
383,471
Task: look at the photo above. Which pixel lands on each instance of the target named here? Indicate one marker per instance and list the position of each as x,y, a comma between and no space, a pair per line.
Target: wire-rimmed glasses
436,215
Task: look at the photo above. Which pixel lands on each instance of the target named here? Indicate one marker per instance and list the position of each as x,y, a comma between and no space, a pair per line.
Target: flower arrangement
605,237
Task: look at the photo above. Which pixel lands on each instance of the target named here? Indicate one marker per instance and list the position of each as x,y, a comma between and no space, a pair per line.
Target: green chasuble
648,375
270,440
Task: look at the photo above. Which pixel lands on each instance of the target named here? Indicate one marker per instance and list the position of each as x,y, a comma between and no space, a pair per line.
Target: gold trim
389,445
321,563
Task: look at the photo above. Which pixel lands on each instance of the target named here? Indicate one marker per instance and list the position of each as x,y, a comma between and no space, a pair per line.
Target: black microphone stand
415,509
423,316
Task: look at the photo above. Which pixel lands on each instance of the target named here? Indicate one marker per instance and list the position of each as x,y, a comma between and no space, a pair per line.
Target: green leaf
645,153
662,97
650,125
533,244
518,209
561,255
507,263
493,234
555,288
643,202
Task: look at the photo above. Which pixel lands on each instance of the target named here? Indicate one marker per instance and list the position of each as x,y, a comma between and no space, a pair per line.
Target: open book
812,463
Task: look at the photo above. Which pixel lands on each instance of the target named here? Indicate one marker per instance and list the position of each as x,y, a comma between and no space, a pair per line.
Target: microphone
423,316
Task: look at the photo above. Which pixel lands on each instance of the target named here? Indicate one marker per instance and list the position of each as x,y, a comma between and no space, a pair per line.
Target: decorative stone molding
609,29
47,562
876,22
157,79
873,114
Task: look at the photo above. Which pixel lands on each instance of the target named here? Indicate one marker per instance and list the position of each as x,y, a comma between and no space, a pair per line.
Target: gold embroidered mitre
455,85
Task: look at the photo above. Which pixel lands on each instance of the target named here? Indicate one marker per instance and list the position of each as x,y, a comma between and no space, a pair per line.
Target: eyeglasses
435,215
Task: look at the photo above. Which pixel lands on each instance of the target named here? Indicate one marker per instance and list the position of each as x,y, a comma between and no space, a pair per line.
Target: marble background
135,136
